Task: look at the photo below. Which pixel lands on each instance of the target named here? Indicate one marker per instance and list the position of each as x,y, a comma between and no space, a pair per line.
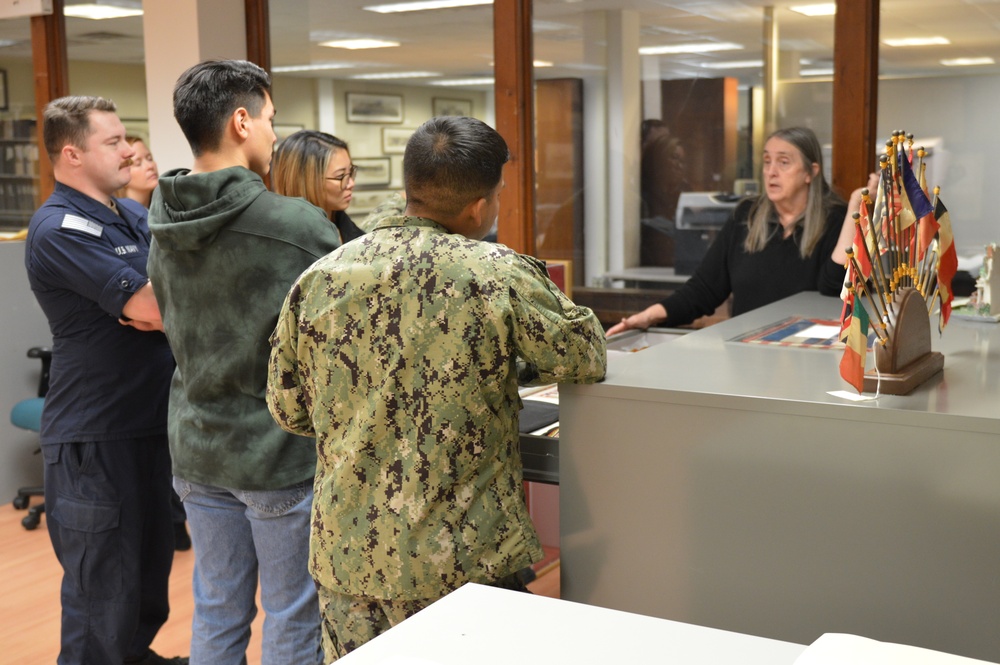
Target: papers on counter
841,649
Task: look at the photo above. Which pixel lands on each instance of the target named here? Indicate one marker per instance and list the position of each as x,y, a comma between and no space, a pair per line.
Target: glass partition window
370,75
939,79
697,122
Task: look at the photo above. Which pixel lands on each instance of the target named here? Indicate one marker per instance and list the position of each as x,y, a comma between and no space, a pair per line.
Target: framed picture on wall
373,171
442,106
394,140
363,107
366,200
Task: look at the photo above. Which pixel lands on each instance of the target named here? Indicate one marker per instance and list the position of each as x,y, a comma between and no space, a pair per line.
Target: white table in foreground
483,625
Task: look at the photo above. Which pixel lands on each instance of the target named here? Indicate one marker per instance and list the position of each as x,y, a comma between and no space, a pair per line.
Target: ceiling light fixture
822,9
819,71
100,12
734,64
356,44
396,75
425,4
318,67
483,80
703,47
917,41
967,62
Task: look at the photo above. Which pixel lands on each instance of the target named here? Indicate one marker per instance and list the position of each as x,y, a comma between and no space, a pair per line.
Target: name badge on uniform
75,223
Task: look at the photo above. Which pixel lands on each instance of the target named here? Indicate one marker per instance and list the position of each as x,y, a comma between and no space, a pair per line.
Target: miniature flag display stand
899,270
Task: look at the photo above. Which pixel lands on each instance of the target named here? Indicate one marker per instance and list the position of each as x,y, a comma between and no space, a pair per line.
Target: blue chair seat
27,414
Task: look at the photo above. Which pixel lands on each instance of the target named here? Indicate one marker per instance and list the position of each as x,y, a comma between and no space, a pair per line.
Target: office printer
699,217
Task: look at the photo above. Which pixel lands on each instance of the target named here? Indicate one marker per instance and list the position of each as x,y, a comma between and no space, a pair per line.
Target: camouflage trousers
350,621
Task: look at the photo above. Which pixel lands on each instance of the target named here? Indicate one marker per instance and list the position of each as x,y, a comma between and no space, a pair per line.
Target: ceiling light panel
424,5
822,9
357,44
100,12
917,41
702,47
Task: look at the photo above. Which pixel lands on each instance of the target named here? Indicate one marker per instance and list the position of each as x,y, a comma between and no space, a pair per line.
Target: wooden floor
29,596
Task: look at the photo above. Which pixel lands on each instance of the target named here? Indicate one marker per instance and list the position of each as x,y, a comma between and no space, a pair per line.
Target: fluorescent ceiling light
396,75
703,47
917,41
967,62
312,68
483,80
355,44
534,63
819,71
425,4
822,9
734,64
100,12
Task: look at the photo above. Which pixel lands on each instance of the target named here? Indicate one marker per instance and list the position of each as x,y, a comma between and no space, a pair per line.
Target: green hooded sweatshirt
225,252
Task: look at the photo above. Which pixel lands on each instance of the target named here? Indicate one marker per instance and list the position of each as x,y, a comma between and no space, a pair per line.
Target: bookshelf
19,179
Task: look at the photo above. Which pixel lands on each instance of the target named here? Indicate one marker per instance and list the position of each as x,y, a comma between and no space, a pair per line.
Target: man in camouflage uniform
399,352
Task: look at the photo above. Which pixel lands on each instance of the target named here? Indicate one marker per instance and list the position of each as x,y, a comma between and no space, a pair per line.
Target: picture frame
373,171
394,139
364,107
4,100
366,200
444,106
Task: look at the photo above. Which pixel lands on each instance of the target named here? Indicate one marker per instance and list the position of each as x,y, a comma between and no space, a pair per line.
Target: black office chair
27,414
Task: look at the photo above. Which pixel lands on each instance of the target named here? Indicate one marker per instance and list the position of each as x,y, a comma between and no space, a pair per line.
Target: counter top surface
708,364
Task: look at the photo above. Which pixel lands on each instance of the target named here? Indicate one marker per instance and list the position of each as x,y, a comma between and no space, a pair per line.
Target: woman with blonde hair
317,166
789,239
145,175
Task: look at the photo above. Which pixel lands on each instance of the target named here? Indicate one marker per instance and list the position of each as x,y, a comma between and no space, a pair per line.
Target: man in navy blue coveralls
104,438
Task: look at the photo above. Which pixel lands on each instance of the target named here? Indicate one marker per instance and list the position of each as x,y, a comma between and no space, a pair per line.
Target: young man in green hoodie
225,252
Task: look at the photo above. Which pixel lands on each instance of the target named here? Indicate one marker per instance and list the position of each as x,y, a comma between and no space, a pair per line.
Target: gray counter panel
719,484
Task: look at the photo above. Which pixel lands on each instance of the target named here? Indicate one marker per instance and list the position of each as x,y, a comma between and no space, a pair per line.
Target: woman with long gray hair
789,239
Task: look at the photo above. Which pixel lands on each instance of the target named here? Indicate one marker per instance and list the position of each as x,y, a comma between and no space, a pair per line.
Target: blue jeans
238,535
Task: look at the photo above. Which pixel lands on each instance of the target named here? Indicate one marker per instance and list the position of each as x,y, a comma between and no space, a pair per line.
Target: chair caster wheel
21,502
31,522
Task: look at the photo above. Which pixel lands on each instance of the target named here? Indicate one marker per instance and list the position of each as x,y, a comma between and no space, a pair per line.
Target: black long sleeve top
759,278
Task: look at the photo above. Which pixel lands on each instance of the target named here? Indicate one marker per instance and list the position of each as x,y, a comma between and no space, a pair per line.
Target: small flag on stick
852,365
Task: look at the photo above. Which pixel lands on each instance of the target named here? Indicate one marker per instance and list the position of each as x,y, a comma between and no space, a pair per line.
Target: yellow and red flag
947,263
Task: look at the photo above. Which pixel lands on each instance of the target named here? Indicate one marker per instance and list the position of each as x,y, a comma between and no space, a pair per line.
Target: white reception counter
719,483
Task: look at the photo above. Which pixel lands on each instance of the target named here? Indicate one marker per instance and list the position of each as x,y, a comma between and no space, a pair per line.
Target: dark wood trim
258,32
51,74
512,50
855,93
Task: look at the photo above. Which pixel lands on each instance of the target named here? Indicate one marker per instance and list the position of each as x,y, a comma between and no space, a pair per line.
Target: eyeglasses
350,175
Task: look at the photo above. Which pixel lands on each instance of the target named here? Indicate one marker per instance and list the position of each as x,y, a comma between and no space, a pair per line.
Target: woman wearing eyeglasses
317,167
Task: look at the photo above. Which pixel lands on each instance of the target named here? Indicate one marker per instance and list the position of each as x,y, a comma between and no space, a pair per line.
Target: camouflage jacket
398,351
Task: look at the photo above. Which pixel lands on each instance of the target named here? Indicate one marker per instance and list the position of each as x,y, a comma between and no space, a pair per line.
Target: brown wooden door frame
50,70
514,90
855,93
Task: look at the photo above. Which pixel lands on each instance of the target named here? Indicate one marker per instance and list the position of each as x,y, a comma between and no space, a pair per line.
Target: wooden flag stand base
906,360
